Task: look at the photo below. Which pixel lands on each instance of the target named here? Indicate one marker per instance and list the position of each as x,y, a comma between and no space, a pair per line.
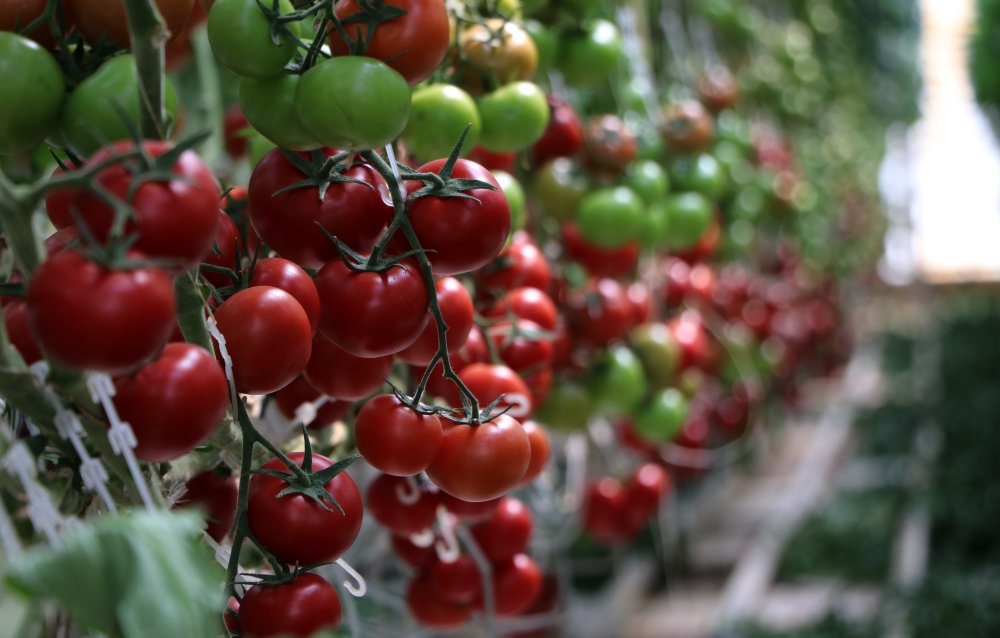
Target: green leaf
142,574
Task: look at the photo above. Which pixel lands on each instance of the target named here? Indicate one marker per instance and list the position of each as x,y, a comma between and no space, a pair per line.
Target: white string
220,339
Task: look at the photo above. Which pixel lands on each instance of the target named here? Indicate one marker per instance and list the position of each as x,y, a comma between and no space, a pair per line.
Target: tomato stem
149,38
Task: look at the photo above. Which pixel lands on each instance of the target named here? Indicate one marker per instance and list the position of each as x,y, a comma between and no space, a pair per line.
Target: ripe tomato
506,532
15,15
520,264
563,135
290,222
413,555
175,218
458,582
474,350
458,312
469,510
371,314
540,450
216,495
398,516
413,44
516,583
461,234
15,320
269,105
521,345
718,89
286,275
106,20
174,402
527,303
687,126
599,262
267,336
599,314
487,382
591,55
609,143
493,161
514,117
499,49
396,439
432,610
321,532
647,486
289,398
341,375
86,316
353,102
33,89
439,114
482,462
223,252
242,38
301,607
90,116
604,509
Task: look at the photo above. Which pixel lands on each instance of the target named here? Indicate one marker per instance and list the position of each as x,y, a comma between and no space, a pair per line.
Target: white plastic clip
424,538
448,550
357,586
408,492
213,329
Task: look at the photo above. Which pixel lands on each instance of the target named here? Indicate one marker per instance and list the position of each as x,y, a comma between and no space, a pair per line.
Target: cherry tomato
267,336
527,303
514,117
371,314
469,510
86,316
493,161
520,264
648,180
216,494
516,583
414,44
487,382
289,398
655,346
563,135
297,529
223,252
458,313
269,105
387,505
341,375
514,193
591,55
597,261
506,532
413,555
286,275
173,403
690,216
699,173
474,350
687,126
459,582
599,314
353,102
33,89
15,320
242,39
106,20
662,417
521,345
499,49
558,188
396,439
616,380
439,114
610,217
568,407
604,509
432,610
301,607
482,462
610,143
541,450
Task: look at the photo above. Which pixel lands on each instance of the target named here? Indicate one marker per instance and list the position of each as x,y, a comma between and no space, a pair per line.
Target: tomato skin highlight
480,463
321,535
91,318
173,403
394,438
298,608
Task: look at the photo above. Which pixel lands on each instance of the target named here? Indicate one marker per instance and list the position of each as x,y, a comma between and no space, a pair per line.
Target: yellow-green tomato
515,197
568,407
241,37
33,91
439,114
558,188
656,347
662,418
514,117
617,380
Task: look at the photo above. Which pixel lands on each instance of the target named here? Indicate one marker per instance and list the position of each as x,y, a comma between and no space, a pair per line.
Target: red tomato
396,439
15,320
223,253
471,511
462,234
431,609
527,303
174,219
86,316
289,398
289,276
58,203
540,449
174,402
297,529
518,265
235,126
604,510
341,375
563,136
640,301
216,495
474,350
482,462
600,314
521,346
600,262
493,161
413,555
106,19
487,382
413,44
301,607
290,222
516,583
647,486
395,514
459,314
506,532
268,337
458,582
371,314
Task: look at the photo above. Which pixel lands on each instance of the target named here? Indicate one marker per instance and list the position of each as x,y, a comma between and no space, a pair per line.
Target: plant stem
149,37
16,213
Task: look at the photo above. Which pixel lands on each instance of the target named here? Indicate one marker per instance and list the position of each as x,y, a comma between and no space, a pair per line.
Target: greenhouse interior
499,318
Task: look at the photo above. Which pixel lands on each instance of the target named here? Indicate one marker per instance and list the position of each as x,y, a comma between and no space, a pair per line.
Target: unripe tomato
610,217
269,105
500,48
663,417
439,114
514,117
590,56
241,38
33,93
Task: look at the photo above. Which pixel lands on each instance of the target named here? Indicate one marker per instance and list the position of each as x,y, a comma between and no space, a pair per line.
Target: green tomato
655,232
90,117
590,57
690,217
568,407
558,189
531,7
648,179
662,418
617,380
353,103
240,35
33,91
656,347
514,117
700,173
731,127
515,197
269,106
439,115
749,203
610,217
258,146
546,43
509,8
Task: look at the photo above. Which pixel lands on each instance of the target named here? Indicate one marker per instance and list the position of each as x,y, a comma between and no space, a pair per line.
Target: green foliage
985,52
141,574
